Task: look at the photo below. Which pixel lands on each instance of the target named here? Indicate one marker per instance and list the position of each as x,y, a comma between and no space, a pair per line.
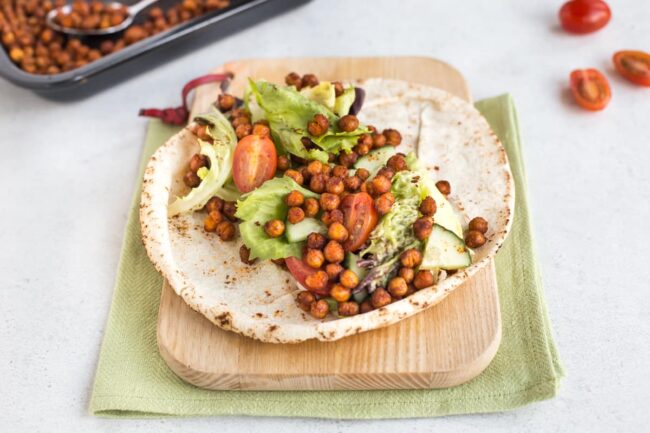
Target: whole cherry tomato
300,271
584,16
634,66
359,217
590,89
254,162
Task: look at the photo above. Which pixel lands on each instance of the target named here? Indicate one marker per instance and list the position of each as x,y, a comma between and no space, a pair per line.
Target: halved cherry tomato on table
359,217
584,16
300,271
634,66
254,162
590,89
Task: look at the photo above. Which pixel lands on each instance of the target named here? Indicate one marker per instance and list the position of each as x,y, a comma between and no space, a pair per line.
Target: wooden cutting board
447,345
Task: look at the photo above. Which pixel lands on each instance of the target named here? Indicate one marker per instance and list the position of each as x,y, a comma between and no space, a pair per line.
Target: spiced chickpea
229,210
319,309
240,120
216,216
191,179
311,207
362,174
340,171
338,88
348,159
348,123
349,308
407,273
226,230
225,102
393,137
314,258
378,140
306,175
240,112
274,228
295,215
293,79
365,139
380,184
411,258
333,216
387,172
428,206
340,293
209,224
349,279
283,162
199,161
337,232
380,298
397,162
444,187
318,125
245,255
397,287
334,185
305,299
362,149
423,278
333,271
309,80
384,203
261,129
316,281
316,241
478,224
352,183
366,307
294,198
317,184
474,239
243,130
315,167
295,175
334,252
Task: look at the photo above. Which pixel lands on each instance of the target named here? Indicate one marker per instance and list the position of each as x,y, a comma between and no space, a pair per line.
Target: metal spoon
131,12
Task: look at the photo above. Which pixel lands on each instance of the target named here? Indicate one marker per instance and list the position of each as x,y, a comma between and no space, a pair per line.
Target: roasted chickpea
339,171
348,123
318,125
317,183
479,224
334,185
378,140
319,309
349,308
352,183
333,271
279,262
209,224
293,79
229,210
384,203
411,258
348,159
216,216
192,179
309,80
106,47
305,299
311,207
225,102
407,273
316,281
316,241
393,137
397,287
474,239
362,149
422,228
365,139
226,230
349,279
314,258
294,198
329,201
295,175
243,130
428,206
366,307
261,129
423,278
444,187
295,215
330,217
274,228
340,293
387,172
380,184
240,120
380,298
245,255
338,88
199,161
283,162
362,174
306,175
337,232
397,162
334,252
240,112
315,167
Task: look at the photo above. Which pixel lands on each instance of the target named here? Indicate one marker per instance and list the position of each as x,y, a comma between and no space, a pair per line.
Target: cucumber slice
351,264
299,232
445,250
376,159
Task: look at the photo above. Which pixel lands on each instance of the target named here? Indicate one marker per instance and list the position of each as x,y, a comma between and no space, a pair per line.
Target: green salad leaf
323,93
261,205
214,178
343,103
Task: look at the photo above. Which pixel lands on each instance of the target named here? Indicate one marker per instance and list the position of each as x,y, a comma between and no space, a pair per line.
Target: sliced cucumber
351,264
445,250
299,232
376,159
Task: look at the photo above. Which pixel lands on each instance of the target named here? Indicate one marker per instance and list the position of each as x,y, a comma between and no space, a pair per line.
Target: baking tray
139,57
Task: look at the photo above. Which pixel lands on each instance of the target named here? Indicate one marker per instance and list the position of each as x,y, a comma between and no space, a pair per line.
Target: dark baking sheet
147,53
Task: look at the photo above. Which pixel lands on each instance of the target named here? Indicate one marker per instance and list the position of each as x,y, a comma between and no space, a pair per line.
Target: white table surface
68,170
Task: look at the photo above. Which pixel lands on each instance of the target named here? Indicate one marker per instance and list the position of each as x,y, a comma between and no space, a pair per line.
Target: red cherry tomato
634,66
300,271
254,162
584,16
360,218
590,88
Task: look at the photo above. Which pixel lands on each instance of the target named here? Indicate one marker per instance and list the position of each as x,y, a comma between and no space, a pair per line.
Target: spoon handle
137,8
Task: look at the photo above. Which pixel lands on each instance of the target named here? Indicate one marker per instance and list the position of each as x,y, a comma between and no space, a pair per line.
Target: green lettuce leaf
261,205
343,103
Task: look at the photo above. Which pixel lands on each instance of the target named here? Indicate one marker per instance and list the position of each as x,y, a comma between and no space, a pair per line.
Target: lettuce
343,103
261,205
214,178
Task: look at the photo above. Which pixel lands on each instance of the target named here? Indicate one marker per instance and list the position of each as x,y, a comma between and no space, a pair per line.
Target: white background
67,171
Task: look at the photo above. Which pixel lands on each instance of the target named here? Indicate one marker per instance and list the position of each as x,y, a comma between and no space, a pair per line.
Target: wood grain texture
447,345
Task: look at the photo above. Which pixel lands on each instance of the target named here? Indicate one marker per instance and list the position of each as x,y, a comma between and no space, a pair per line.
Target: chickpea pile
37,49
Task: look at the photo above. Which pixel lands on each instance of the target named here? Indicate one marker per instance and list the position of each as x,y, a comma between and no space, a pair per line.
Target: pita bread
452,140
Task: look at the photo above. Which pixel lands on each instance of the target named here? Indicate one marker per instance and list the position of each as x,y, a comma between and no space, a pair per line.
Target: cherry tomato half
584,16
254,162
359,217
634,66
300,271
590,88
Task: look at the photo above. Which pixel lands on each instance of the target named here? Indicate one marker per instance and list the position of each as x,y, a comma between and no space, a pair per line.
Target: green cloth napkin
132,380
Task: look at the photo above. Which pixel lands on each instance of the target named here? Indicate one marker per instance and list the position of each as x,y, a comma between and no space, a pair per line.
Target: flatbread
453,141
